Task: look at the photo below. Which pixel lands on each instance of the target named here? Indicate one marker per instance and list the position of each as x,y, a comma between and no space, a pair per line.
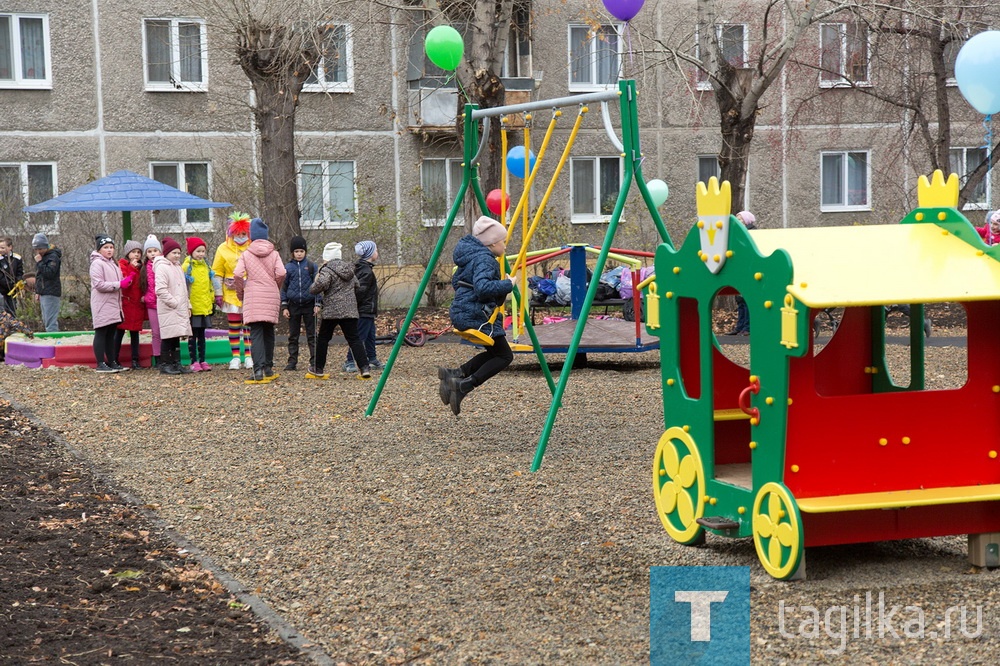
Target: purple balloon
623,10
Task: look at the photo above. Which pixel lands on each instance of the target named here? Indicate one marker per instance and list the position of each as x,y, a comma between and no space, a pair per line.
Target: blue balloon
976,70
515,161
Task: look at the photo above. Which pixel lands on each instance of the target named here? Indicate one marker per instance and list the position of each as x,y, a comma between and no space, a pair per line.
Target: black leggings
196,345
350,329
104,344
133,343
489,362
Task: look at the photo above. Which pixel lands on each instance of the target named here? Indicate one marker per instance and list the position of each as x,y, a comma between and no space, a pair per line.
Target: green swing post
467,177
633,157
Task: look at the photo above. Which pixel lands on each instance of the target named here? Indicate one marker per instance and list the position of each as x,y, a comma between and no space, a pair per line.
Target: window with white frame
845,181
735,47
594,56
190,177
517,53
951,50
708,167
335,70
326,194
594,186
176,55
964,161
440,179
25,184
844,54
24,51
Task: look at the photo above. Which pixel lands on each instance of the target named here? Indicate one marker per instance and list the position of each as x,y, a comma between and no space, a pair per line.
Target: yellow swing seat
475,336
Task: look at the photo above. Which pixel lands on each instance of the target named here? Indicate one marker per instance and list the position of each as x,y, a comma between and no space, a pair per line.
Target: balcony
433,107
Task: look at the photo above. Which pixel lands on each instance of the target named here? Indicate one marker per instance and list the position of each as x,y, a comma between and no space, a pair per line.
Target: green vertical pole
471,141
126,225
631,156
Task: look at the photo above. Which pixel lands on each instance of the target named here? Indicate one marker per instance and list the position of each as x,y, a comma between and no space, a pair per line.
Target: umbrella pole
126,225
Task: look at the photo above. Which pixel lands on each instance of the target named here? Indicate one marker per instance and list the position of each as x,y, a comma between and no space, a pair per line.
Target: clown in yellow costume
224,264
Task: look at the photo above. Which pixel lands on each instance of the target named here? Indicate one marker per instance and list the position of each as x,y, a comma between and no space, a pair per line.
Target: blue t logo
699,615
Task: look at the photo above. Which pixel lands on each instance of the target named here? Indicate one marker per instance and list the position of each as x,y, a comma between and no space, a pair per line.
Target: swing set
474,142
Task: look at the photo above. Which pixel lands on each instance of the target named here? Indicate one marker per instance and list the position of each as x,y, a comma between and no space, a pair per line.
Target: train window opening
888,349
689,347
731,320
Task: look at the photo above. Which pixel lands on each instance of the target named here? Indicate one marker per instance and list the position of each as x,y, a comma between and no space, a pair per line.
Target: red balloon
495,199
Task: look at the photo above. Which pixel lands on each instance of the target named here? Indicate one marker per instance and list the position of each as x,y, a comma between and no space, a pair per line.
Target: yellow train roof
881,264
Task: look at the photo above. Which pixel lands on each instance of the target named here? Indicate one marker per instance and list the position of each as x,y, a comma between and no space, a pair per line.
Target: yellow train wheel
777,530
679,485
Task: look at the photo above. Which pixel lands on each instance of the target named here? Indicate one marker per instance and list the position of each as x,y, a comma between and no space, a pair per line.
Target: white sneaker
234,364
248,363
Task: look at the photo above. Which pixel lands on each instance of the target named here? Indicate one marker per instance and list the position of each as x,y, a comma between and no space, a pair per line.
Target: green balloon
658,191
444,46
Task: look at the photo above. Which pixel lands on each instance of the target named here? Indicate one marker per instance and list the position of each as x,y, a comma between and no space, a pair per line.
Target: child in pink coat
106,284
173,307
257,281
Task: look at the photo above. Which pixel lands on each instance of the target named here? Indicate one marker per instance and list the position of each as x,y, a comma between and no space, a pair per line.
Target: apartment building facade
88,88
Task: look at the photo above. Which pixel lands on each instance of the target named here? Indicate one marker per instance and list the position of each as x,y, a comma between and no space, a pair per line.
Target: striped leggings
236,331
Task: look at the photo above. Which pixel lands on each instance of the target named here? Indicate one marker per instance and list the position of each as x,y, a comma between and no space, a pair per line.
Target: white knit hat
151,241
332,251
488,231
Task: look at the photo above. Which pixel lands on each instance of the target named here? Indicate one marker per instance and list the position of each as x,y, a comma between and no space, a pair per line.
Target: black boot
135,363
459,387
444,374
166,363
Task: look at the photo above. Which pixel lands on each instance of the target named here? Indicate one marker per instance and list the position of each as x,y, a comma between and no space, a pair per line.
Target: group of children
249,283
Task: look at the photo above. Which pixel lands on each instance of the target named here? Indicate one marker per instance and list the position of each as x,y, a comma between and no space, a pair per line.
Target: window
176,56
26,184
735,49
594,185
326,195
708,166
24,51
843,54
191,177
439,183
594,57
517,55
964,161
335,70
845,178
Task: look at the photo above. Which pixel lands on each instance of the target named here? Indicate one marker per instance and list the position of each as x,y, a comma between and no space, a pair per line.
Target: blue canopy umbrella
125,191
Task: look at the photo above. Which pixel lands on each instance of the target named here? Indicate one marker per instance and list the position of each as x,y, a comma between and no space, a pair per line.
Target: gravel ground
416,536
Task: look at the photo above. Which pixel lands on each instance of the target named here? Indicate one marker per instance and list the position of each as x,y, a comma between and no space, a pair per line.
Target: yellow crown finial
713,200
938,193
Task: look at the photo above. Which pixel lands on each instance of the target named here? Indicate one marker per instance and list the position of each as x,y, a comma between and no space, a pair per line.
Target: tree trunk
737,135
275,118
479,74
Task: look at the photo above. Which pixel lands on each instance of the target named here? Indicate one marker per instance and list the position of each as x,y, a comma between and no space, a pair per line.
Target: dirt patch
86,579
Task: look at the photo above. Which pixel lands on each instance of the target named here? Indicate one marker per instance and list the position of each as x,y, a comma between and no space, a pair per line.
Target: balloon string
988,124
628,38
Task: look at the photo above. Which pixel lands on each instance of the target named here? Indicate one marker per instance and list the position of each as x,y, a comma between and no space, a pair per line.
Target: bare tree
739,80
277,44
913,48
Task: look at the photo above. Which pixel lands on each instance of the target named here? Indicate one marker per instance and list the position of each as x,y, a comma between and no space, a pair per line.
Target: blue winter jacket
299,276
473,305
